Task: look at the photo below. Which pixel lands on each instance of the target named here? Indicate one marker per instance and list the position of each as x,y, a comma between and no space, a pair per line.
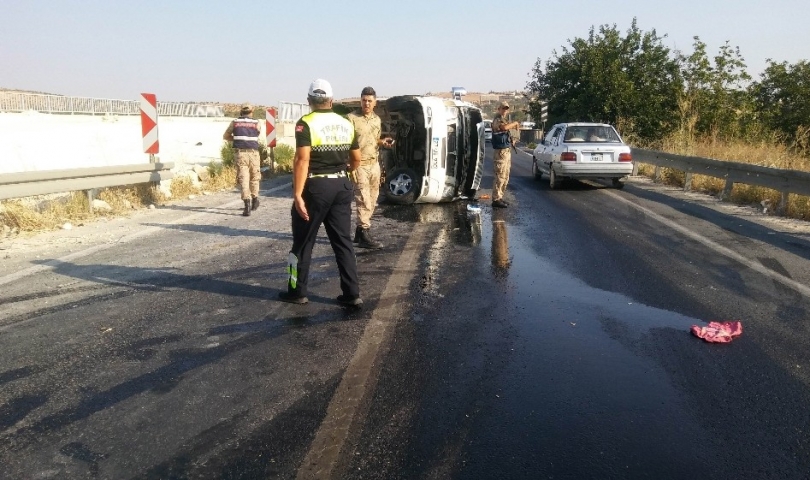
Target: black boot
357,235
246,211
350,301
255,203
293,298
366,241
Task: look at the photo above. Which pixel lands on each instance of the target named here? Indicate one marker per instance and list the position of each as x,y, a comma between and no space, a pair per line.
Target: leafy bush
284,155
532,145
263,154
215,168
221,177
227,154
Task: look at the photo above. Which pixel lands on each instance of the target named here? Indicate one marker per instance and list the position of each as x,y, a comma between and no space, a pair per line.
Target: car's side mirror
542,141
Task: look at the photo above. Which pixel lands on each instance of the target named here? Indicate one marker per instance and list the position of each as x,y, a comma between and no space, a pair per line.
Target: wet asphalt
554,342
546,340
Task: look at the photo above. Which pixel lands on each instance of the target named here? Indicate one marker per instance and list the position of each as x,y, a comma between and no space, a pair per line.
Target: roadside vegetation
36,214
284,155
692,104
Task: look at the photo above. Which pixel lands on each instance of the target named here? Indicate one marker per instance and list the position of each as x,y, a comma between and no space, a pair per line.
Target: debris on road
718,332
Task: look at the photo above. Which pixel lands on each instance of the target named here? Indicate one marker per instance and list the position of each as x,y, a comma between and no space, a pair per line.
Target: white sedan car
582,151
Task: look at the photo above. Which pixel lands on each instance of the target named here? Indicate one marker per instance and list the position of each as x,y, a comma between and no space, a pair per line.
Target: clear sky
263,52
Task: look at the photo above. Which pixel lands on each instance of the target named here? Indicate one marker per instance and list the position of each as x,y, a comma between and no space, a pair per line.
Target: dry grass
183,187
32,215
222,178
124,199
768,152
36,214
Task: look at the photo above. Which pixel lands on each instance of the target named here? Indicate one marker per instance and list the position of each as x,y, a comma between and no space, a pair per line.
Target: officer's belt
339,174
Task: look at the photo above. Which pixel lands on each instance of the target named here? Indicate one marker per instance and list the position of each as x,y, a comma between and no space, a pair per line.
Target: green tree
782,99
715,99
629,81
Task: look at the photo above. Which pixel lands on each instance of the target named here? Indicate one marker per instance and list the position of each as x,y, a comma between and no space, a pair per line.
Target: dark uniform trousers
328,201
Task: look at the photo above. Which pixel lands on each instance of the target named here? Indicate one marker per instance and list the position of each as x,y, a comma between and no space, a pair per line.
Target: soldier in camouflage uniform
244,133
367,178
501,154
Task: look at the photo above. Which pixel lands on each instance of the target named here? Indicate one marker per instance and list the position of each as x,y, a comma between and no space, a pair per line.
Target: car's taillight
568,157
625,157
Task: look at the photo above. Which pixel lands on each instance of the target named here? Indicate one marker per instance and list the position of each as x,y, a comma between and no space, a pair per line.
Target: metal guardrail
529,135
18,185
23,102
784,181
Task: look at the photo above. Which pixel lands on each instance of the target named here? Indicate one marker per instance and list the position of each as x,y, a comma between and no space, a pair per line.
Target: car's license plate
596,157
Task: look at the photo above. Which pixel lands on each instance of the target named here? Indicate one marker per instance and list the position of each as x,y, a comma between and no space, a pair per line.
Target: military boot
246,211
357,234
254,203
365,240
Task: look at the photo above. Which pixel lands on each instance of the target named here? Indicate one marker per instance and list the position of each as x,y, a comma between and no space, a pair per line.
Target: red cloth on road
718,332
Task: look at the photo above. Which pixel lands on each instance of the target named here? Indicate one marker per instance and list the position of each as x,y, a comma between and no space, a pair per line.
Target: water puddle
537,284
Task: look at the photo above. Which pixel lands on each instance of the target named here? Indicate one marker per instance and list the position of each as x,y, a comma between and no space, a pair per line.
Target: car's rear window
591,134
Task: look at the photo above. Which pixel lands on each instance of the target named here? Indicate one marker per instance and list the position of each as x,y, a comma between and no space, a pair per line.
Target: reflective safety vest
329,131
246,133
331,137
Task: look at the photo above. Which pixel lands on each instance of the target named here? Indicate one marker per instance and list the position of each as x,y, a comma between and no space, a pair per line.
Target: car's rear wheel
536,171
401,186
553,181
618,183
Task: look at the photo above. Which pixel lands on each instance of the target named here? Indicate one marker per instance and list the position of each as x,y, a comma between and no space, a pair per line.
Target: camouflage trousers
501,164
248,175
366,191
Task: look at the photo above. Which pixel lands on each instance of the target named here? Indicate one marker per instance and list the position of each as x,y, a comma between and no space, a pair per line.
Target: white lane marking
754,265
128,238
360,378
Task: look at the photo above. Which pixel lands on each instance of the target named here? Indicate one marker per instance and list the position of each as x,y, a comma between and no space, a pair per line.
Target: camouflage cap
246,107
504,104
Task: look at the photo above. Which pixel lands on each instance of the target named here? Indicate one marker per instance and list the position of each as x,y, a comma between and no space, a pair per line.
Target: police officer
325,143
244,133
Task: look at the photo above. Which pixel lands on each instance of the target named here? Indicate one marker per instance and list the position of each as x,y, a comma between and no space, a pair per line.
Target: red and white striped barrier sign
149,119
270,119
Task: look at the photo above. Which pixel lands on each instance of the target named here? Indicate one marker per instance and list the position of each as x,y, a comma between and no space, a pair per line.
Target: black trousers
328,201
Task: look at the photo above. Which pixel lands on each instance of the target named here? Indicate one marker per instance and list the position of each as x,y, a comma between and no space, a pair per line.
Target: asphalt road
547,340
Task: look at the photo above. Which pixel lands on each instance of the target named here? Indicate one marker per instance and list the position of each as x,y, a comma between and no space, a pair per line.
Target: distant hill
3,89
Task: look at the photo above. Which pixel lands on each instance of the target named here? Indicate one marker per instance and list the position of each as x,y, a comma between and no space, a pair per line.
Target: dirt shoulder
18,252
749,213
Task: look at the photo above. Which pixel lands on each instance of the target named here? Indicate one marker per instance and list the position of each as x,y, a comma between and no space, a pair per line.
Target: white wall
32,141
